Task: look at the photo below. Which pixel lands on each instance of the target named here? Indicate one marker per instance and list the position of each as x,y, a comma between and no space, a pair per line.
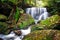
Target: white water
37,13
13,36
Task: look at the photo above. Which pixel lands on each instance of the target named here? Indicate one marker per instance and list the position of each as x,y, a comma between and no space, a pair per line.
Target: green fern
17,14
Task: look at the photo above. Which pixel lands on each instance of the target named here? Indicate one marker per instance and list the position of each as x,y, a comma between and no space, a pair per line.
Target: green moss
25,20
49,23
42,35
3,17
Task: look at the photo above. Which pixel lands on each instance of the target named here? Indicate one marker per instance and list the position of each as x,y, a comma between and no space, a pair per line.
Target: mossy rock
3,17
25,20
4,28
49,23
43,35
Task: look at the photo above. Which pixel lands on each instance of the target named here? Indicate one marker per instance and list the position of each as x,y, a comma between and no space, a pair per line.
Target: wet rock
17,32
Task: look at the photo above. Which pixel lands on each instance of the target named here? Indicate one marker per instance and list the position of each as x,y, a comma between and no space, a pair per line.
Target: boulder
43,35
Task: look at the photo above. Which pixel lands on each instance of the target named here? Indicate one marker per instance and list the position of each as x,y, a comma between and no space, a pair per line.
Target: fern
17,14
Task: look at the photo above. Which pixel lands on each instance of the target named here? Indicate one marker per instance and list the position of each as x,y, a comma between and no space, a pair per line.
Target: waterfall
37,13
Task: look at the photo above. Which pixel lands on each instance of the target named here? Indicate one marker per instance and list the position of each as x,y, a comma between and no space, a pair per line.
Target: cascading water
37,13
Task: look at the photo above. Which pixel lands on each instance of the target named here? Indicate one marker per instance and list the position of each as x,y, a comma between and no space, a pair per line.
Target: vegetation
13,16
25,20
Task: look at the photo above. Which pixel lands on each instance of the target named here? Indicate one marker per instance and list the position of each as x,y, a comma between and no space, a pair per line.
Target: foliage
14,1
17,14
53,6
30,2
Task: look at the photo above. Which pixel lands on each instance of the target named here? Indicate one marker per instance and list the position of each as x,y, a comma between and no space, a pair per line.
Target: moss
3,17
25,20
41,35
49,23
3,24
3,28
